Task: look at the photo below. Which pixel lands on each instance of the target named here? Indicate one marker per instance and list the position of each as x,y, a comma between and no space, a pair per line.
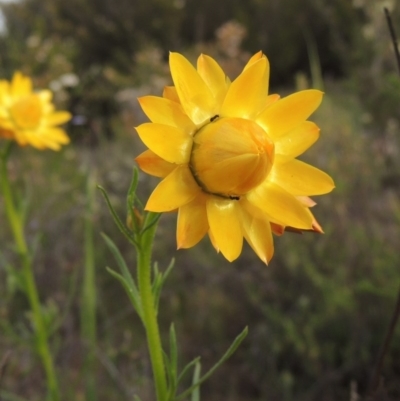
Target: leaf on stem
196,377
135,302
117,220
126,278
224,358
187,367
159,280
149,221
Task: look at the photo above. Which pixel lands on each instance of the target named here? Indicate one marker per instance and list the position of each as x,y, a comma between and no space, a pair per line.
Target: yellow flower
29,117
226,152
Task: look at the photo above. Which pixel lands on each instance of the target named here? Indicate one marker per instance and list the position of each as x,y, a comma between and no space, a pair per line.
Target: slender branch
30,288
385,348
374,385
393,36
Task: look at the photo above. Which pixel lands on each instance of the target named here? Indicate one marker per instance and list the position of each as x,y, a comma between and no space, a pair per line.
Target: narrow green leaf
159,281
187,367
170,378
117,220
196,377
150,220
131,196
132,199
121,263
135,302
225,357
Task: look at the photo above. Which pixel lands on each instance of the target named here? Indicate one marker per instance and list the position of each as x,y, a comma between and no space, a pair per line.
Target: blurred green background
318,313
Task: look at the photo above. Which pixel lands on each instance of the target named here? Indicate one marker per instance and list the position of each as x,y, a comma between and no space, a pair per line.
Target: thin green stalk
30,288
150,313
88,310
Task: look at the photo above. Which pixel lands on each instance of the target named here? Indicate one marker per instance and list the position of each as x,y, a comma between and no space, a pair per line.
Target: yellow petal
195,96
154,165
171,94
20,85
253,59
306,201
213,76
289,112
45,95
192,223
297,140
224,220
56,134
246,96
165,111
177,189
280,206
277,229
58,117
271,99
212,240
258,234
4,89
299,178
170,143
315,226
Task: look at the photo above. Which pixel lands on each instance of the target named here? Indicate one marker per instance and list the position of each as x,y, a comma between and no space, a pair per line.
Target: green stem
30,288
150,313
88,311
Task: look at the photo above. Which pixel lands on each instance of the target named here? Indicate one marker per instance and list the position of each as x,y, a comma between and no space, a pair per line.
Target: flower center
27,112
231,156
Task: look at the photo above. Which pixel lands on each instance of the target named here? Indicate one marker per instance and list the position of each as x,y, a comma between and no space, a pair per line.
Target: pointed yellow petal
247,94
54,134
213,76
299,178
165,111
177,189
315,226
45,95
258,234
20,85
306,201
277,229
289,112
195,96
271,99
280,206
224,220
171,94
58,117
212,240
297,140
4,89
170,143
154,165
253,59
192,223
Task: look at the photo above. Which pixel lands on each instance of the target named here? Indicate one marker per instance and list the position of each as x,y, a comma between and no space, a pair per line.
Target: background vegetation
319,312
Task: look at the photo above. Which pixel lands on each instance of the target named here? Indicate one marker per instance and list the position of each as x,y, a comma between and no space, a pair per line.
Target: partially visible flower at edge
227,154
29,117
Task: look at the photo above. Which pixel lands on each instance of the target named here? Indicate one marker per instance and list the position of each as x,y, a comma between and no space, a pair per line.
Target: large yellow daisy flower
226,153
29,117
